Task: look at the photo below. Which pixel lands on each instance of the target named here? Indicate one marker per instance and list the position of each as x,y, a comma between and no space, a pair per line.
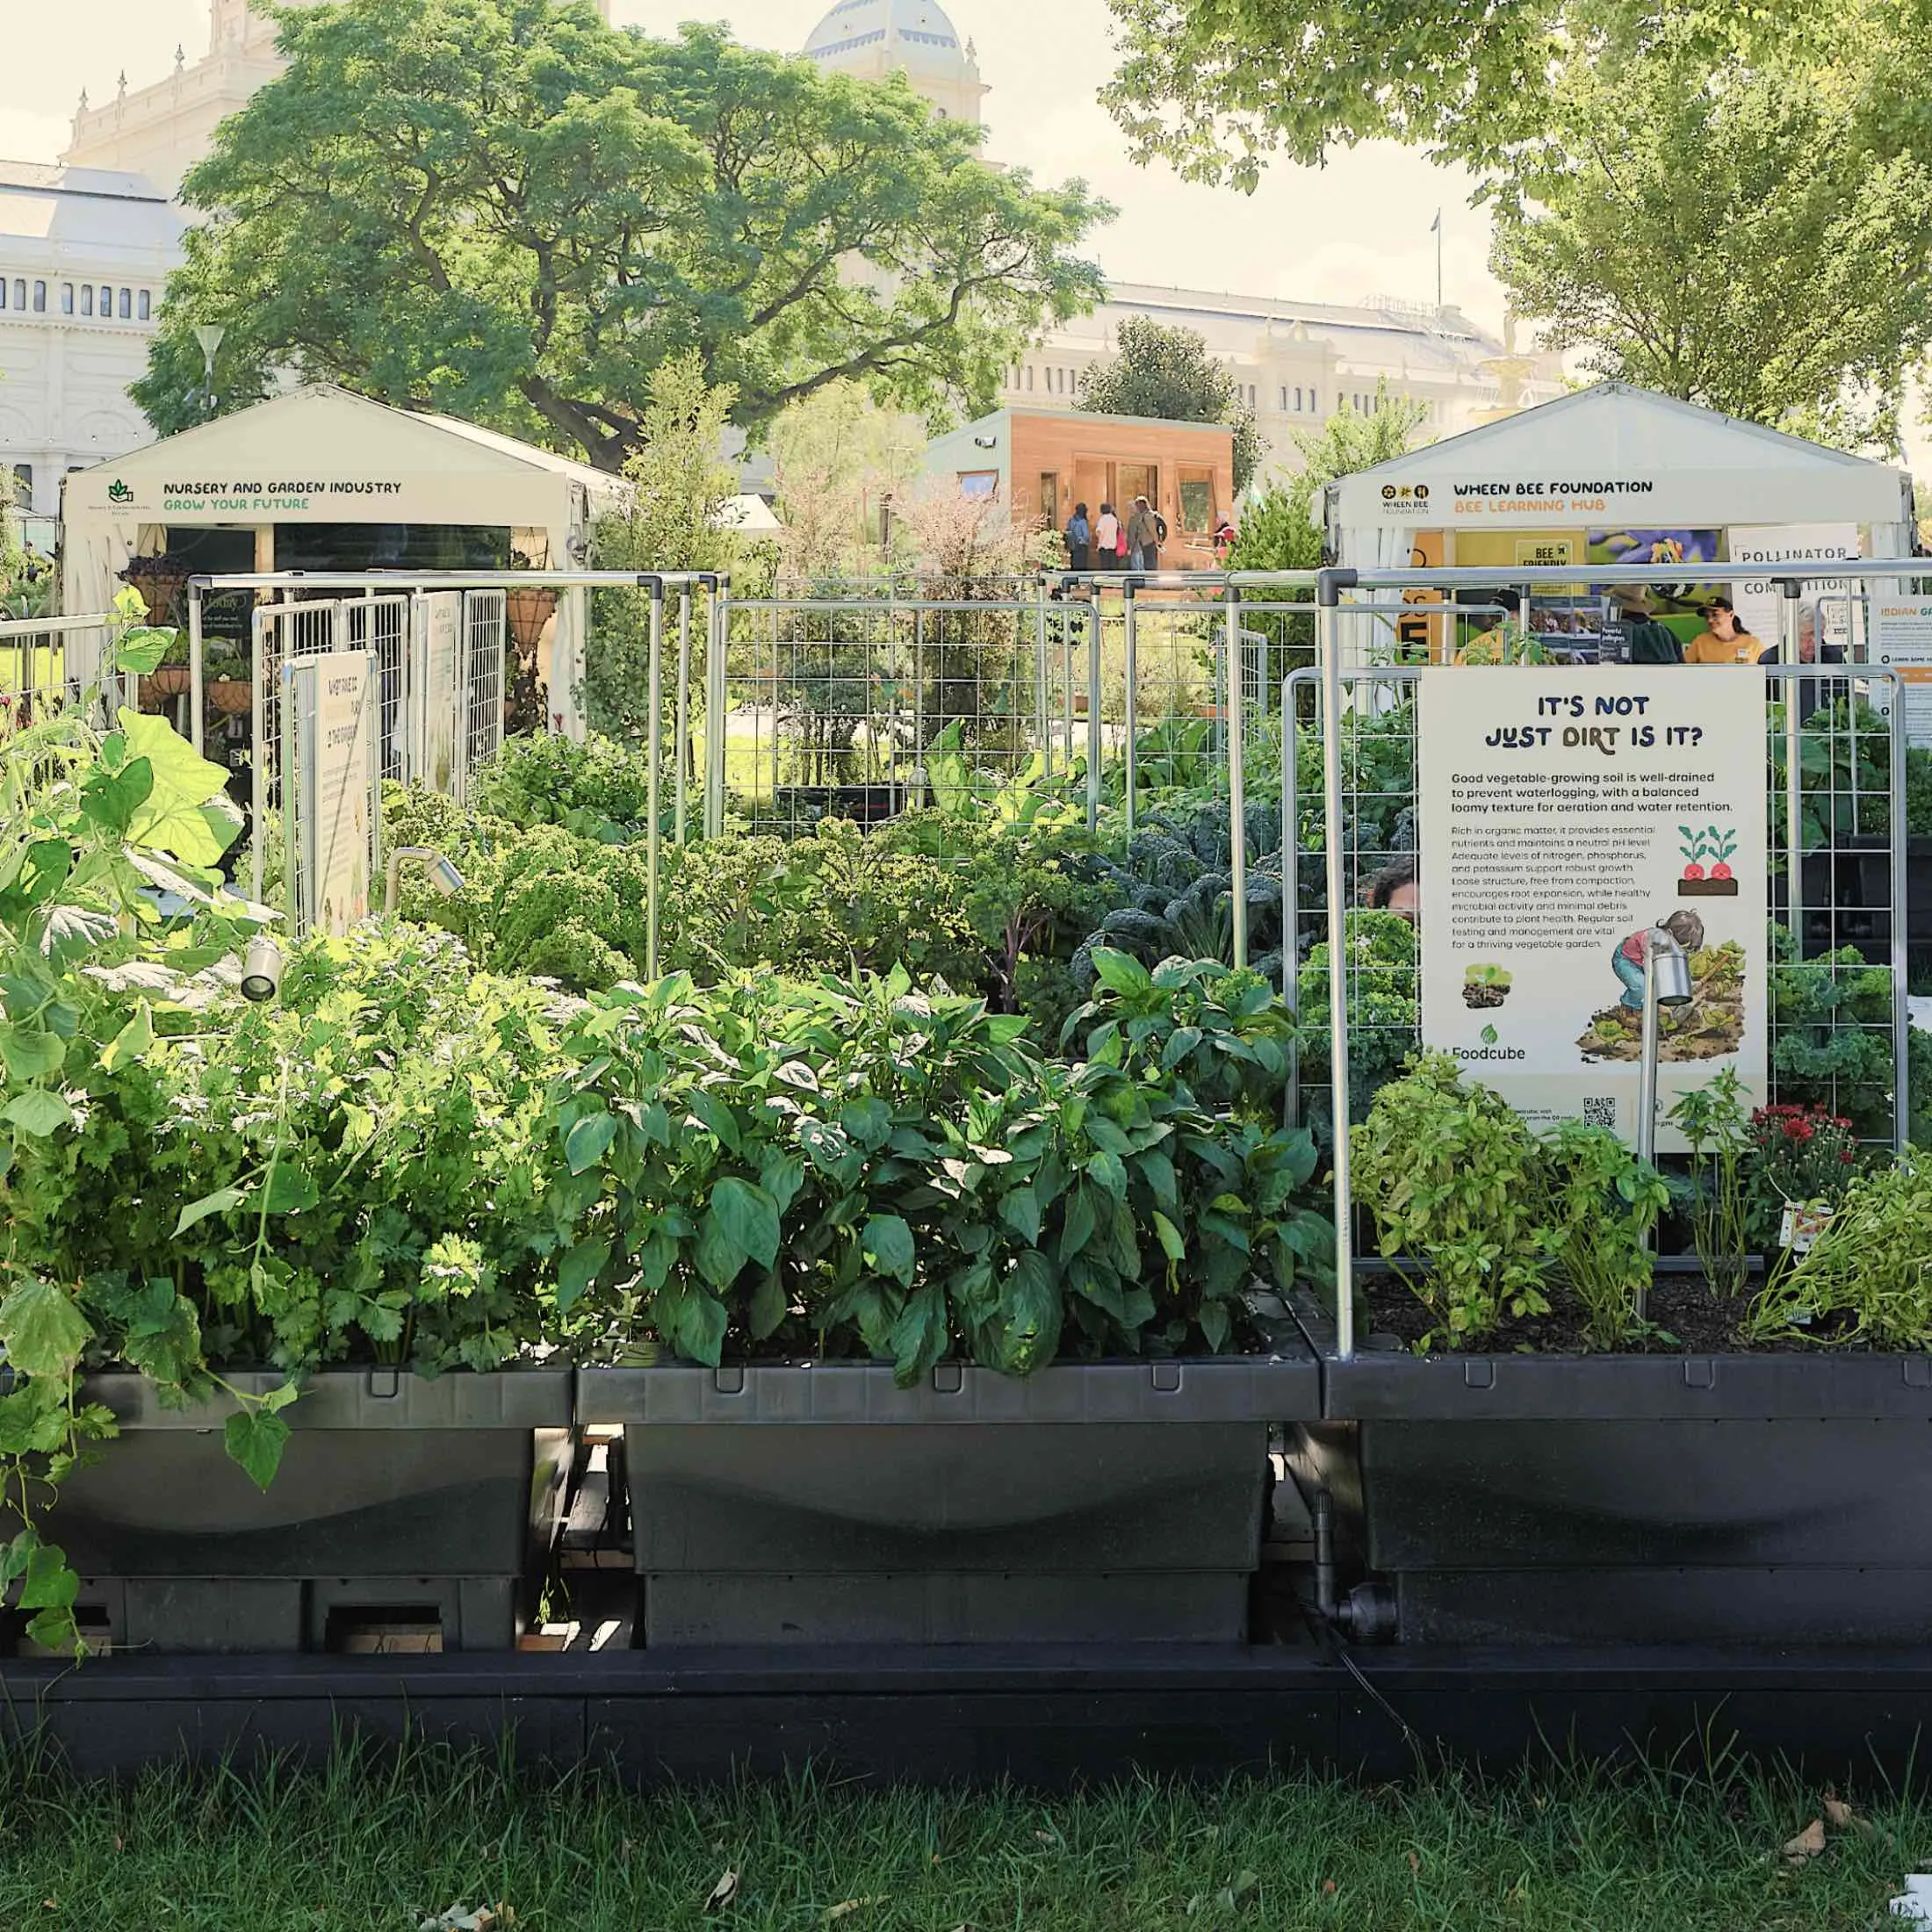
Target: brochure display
1569,818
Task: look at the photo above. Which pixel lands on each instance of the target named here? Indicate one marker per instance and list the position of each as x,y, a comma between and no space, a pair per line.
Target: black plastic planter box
1112,1502
1522,1499
399,1501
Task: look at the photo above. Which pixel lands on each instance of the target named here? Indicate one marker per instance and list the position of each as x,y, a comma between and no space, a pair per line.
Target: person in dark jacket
1812,693
1649,641
1079,535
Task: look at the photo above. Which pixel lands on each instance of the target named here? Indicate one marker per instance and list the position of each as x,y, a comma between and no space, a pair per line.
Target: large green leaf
578,1268
70,932
131,1041
142,647
217,1203
39,1111
1119,972
588,1141
40,872
749,1217
256,1438
112,798
887,1243
28,1053
43,1330
171,816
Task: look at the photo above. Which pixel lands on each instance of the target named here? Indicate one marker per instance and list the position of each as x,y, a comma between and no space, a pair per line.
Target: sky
1355,228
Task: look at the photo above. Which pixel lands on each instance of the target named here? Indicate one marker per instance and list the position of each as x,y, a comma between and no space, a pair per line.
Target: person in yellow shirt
1723,640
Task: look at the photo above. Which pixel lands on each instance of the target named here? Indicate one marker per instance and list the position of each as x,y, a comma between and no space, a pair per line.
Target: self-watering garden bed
1116,1503
1657,1499
402,1504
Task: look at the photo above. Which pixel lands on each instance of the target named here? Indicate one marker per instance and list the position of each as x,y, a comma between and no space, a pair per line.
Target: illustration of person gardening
1627,960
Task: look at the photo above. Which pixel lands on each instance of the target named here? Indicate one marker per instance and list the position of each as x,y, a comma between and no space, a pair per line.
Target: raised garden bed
1701,1497
1115,1502
401,1503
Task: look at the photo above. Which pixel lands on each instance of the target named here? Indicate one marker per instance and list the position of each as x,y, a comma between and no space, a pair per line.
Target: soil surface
1687,1318
1708,1028
1484,995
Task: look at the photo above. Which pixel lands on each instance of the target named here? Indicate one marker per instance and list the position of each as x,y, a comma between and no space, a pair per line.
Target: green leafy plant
1712,1118
1602,1204
1449,1173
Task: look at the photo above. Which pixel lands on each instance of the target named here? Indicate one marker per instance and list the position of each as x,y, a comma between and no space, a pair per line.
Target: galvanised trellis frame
1331,586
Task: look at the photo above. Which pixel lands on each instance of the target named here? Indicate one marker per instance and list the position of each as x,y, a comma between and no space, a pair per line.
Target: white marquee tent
320,455
1608,458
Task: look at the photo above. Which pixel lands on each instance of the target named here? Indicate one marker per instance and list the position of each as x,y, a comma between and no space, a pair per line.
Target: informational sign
1757,598
331,727
1548,549
1901,636
434,668
1566,816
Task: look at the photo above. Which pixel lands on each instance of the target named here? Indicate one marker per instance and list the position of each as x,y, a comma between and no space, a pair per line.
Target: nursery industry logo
1410,499
119,492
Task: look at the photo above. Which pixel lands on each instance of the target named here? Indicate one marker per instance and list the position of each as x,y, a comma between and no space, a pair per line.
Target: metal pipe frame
1532,576
654,779
1327,652
1237,779
1094,740
1132,649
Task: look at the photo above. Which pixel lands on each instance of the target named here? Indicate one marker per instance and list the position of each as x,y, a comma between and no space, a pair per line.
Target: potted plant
1542,1442
228,686
170,676
271,1273
966,1353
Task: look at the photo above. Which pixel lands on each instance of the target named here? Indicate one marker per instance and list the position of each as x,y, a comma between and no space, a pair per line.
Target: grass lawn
367,1847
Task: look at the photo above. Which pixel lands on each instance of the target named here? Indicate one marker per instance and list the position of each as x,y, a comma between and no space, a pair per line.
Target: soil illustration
1485,986
1484,995
1710,1026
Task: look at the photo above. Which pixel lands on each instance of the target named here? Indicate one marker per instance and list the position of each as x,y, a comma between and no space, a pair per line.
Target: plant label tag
1801,1225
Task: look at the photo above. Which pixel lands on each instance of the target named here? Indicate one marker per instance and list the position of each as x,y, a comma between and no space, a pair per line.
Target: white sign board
331,728
1565,815
1757,598
1901,636
435,662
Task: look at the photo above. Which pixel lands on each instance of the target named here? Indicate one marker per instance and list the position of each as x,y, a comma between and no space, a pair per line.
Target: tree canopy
1735,241
1216,86
1167,372
506,210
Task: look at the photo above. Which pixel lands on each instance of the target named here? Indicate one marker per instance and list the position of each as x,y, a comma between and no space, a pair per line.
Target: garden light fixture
261,970
1667,983
442,874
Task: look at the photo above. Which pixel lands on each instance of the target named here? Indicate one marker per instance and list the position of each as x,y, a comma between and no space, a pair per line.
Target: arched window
107,302
127,304
39,298
144,310
20,292
67,298
87,298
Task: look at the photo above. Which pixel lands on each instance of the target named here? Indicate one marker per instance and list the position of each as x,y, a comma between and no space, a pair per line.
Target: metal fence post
1238,781
1789,589
717,628
195,700
1132,710
1041,710
1329,588
683,731
258,791
1093,717
1902,1011
654,781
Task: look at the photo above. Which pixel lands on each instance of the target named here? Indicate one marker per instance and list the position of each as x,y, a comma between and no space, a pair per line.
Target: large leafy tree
1735,240
508,209
1215,86
1166,372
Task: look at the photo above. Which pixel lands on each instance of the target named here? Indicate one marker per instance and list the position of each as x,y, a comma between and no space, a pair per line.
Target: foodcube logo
119,492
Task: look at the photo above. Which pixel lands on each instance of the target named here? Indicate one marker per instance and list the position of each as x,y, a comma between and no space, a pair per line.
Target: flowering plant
1799,1155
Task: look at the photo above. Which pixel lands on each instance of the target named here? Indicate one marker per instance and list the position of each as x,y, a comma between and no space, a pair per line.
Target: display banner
331,727
435,660
1901,636
1756,597
1566,815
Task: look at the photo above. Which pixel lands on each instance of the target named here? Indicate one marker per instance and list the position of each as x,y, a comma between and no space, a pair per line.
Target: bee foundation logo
1406,499
119,492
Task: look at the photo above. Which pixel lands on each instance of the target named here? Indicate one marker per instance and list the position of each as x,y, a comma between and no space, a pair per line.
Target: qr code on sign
1599,1110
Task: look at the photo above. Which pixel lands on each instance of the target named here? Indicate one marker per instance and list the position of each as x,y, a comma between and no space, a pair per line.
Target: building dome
910,36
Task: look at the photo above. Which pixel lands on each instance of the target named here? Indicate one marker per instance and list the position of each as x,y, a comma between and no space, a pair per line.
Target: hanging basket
526,612
163,684
231,696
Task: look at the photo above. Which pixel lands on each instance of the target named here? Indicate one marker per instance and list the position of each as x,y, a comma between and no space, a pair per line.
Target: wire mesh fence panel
381,624
479,682
863,710
48,666
1837,1032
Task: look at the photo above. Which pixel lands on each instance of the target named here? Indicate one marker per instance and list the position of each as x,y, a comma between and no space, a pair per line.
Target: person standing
1142,540
1106,539
1648,641
1723,640
1079,535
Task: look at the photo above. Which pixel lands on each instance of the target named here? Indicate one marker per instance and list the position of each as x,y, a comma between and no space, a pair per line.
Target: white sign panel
434,682
332,724
1757,598
1566,816
1901,636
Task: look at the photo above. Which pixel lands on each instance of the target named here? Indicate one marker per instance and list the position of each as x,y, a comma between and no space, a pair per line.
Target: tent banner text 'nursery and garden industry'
1567,816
